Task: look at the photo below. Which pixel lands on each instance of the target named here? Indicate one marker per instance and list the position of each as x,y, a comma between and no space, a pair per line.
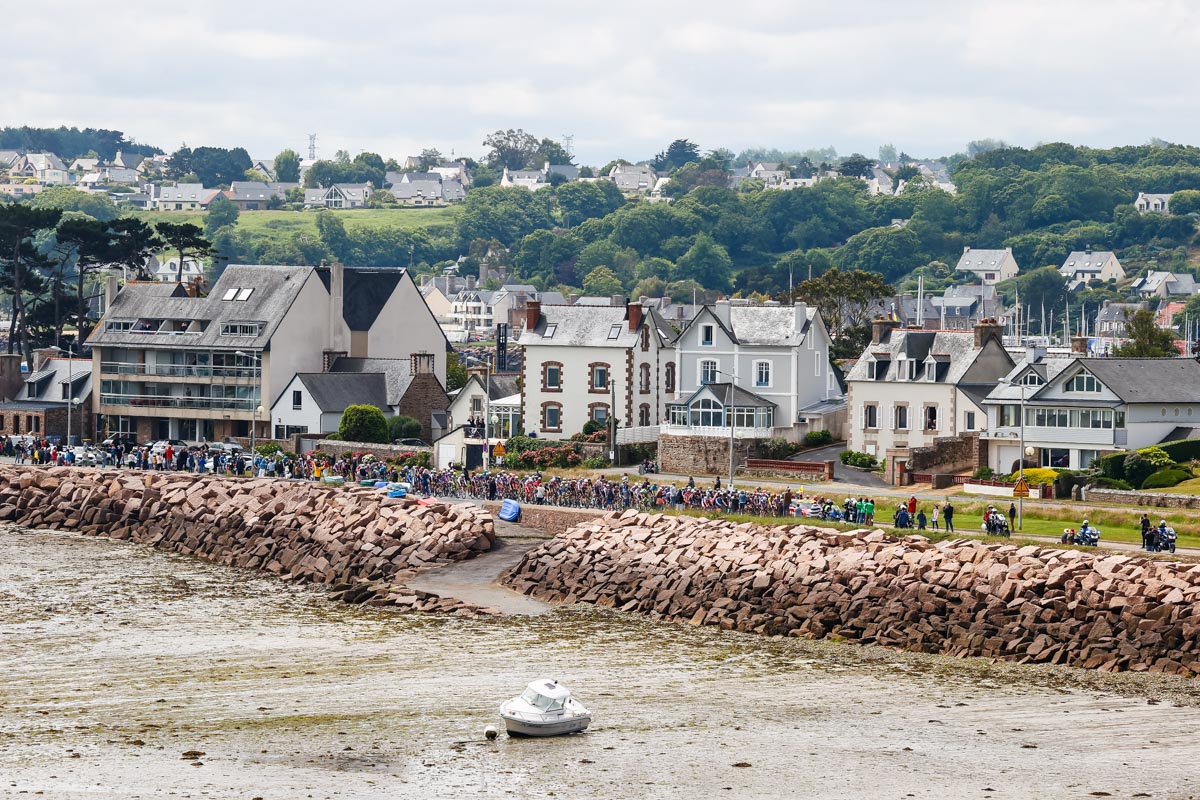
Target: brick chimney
533,312
1079,345
634,312
11,378
882,328
988,329
41,356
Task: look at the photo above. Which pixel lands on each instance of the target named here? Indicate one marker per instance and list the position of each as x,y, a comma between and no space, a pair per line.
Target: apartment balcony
202,372
1090,438
140,404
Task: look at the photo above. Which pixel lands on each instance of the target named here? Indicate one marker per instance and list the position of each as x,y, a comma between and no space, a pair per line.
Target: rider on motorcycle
1160,537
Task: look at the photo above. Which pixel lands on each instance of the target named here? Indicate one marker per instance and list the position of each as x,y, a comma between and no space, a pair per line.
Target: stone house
35,403
990,266
1083,267
1152,203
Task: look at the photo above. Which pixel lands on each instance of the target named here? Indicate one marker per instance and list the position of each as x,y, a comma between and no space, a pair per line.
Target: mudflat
132,673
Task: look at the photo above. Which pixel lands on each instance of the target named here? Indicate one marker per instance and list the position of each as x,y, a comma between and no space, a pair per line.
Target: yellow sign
1021,489
498,450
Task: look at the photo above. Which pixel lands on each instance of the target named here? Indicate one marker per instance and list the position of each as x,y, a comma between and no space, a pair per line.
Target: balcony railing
1098,437
718,432
178,370
167,401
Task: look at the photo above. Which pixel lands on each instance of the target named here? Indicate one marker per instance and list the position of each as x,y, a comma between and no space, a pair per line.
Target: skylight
614,331
244,294
550,329
230,294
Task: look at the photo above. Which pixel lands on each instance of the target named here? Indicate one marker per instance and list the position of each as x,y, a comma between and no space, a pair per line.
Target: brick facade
425,395
701,455
46,422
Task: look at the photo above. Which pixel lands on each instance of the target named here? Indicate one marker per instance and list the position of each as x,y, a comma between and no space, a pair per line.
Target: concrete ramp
474,580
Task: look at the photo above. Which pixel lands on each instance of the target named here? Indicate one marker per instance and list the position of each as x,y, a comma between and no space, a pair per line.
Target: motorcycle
996,524
1168,540
1089,537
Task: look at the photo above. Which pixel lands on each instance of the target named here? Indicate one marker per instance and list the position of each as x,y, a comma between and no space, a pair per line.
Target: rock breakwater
957,598
360,542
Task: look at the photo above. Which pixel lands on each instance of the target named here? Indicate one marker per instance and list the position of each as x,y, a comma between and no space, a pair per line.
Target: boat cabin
546,696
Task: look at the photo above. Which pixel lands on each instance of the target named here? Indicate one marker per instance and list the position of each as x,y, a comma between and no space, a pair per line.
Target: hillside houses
989,266
1084,267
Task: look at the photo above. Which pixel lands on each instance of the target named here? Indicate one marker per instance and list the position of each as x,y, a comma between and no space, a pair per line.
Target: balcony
1098,438
718,432
168,401
178,370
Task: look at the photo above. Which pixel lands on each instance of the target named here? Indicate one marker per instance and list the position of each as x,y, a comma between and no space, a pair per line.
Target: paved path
475,580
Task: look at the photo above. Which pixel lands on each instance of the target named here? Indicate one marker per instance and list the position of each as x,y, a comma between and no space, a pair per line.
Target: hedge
1110,483
1182,450
1166,478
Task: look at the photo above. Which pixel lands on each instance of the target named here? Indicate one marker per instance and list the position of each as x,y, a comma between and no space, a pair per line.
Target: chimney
617,300
483,272
533,312
634,312
336,321
988,329
721,310
1034,354
470,283
11,379
1079,345
111,287
801,316
41,356
881,329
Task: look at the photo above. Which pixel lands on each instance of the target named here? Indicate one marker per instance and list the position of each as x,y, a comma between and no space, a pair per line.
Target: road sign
499,450
1021,489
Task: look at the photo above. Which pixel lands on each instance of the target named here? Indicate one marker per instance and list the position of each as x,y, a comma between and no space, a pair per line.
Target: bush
1137,469
595,462
862,460
364,423
1157,457
637,453
271,450
777,449
417,458
402,427
817,438
1110,483
1166,478
1066,481
591,426
1111,466
1183,450
984,474
1036,475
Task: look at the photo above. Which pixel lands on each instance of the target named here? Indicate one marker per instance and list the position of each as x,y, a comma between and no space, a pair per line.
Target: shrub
363,423
271,449
984,474
862,460
1111,466
817,438
416,458
1183,450
1137,469
1165,478
595,462
1156,456
1036,475
777,449
402,427
637,453
591,426
1066,481
1110,483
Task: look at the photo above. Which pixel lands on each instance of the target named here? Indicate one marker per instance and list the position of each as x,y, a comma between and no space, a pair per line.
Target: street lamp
1024,452
70,383
254,427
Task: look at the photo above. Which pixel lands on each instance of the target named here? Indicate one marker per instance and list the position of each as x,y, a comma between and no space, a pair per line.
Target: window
901,415
762,373
669,376
644,414
1010,416
230,294
118,325
707,413
244,294
645,338
552,377
1082,382
706,335
1031,379
871,416
598,377
614,331
551,417
599,413
931,418
708,372
644,378
1086,457
817,358
1055,457
873,369
550,329
969,420
241,329
297,399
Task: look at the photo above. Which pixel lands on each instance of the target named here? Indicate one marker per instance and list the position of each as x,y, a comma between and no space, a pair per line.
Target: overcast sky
624,77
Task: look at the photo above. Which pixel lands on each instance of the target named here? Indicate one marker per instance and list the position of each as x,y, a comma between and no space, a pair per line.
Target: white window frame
709,332
868,408
558,377
596,384
700,372
899,411
297,400
759,383
817,364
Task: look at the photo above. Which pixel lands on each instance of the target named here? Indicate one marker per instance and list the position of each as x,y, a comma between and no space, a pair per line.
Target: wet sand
115,660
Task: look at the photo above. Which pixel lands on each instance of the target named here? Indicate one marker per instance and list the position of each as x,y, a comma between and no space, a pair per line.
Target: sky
623,77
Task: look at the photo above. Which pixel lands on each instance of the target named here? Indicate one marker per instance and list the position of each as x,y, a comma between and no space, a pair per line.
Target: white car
160,447
84,456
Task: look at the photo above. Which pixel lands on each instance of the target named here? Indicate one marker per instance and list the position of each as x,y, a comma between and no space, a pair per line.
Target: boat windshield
540,701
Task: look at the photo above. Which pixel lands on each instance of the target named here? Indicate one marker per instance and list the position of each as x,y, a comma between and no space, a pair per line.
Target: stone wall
336,448
424,396
949,454
360,542
957,598
701,455
1141,498
549,520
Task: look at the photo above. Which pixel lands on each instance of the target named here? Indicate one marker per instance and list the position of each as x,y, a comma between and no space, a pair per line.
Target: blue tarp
510,511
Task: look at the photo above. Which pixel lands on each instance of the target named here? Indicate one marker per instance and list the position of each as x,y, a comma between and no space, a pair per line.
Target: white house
776,357
1156,283
1089,266
633,178
526,178
339,195
991,266
910,387
183,197
1077,409
168,271
589,362
1153,203
474,414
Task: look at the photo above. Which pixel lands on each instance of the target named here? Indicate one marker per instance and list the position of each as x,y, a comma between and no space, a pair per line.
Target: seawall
360,542
957,598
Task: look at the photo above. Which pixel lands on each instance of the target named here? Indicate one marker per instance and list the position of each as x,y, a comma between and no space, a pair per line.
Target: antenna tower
312,147
569,143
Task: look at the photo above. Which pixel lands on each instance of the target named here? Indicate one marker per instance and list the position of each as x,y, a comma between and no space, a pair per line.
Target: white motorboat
545,708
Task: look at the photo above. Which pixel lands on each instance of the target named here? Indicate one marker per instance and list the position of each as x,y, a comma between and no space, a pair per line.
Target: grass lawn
285,223
1187,487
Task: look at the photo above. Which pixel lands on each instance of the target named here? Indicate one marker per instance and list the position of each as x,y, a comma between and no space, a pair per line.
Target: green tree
650,287
1186,201
887,153
856,165
363,423
95,204
333,235
287,166
678,153
430,157
659,268
19,262
551,152
1146,339
601,282
456,373
221,212
707,263
402,427
843,297
511,148
603,253
185,239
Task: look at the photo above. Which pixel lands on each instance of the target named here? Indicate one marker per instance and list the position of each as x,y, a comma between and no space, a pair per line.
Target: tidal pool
116,660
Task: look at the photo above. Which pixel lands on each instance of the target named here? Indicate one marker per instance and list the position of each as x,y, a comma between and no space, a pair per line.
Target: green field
286,223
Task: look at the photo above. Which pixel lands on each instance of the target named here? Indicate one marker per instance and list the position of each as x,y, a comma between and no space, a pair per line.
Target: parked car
229,448
118,439
410,443
84,456
160,447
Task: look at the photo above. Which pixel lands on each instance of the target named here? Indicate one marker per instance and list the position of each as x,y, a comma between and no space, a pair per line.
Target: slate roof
397,373
364,293
406,190
954,352
274,289
185,193
333,392
740,396
581,326
1115,312
1177,283
45,385
981,260
1148,380
1085,261
769,326
570,171
257,190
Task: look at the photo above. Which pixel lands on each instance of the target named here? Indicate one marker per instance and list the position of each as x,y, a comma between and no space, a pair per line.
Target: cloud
623,77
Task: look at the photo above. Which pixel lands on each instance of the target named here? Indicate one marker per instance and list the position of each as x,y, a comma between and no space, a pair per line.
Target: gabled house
1083,267
911,387
168,271
266,166
962,307
525,178
339,195
1152,203
184,197
778,354
1156,283
38,406
46,168
256,195
1112,318
990,266
633,178
588,363
425,189
176,365
1077,409
476,416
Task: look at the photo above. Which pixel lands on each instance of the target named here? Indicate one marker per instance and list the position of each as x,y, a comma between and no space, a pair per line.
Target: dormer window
614,332
1031,379
1082,382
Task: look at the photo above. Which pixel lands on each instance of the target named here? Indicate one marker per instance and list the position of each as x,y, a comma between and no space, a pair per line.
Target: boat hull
562,727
